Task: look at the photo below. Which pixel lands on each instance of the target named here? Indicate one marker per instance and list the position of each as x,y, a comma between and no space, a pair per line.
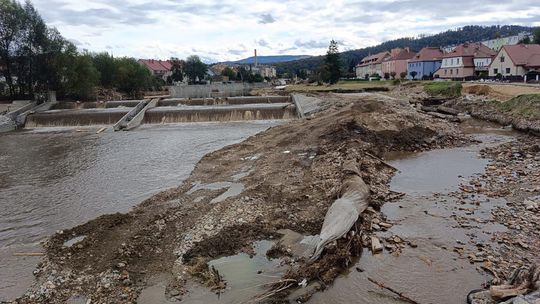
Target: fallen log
28,254
344,212
444,116
447,110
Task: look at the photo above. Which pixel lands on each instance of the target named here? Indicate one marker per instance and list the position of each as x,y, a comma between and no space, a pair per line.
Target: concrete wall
213,90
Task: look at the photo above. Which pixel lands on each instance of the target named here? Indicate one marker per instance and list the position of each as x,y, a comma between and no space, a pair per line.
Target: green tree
83,79
227,71
402,75
536,35
195,68
106,66
178,67
331,70
413,74
393,74
12,25
131,77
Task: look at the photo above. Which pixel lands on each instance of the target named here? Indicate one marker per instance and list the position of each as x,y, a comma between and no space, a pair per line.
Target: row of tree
35,58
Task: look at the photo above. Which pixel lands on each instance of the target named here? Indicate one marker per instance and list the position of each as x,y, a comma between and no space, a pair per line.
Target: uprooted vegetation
292,174
447,89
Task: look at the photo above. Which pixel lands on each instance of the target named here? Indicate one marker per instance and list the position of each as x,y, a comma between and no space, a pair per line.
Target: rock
376,246
385,225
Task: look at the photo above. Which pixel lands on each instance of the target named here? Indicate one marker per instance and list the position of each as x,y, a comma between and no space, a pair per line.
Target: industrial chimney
255,57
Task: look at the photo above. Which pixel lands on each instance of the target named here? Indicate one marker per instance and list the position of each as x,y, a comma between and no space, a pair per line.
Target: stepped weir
126,115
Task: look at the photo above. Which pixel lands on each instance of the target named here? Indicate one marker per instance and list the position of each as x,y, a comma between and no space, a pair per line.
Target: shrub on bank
444,89
527,105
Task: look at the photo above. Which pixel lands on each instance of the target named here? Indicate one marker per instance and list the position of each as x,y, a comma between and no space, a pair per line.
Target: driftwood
447,110
399,294
28,254
344,212
520,283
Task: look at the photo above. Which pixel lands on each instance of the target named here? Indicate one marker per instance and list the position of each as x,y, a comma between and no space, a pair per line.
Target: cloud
266,18
312,44
230,29
262,42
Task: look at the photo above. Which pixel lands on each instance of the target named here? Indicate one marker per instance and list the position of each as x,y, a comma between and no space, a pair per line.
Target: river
57,178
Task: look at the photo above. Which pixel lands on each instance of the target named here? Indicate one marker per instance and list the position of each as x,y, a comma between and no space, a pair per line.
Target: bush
527,105
443,89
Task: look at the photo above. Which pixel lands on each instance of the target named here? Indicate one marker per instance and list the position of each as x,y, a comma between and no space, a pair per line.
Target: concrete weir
127,115
220,113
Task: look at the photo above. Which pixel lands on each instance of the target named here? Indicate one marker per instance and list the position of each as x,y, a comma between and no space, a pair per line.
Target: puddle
427,274
245,277
234,189
155,292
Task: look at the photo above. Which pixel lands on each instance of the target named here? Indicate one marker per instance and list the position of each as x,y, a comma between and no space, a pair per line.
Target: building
498,43
265,71
397,62
466,60
516,60
158,68
425,63
371,64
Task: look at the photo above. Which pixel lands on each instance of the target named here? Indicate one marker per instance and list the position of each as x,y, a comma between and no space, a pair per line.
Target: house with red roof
516,60
466,60
371,64
397,62
158,68
425,63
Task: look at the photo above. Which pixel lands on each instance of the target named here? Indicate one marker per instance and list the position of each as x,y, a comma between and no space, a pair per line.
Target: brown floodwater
57,178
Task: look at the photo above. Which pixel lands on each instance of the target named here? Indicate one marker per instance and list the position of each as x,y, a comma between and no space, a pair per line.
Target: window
457,61
445,72
451,71
507,70
457,71
452,61
495,71
502,58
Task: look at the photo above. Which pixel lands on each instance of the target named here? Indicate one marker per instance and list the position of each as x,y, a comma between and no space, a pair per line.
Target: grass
341,85
443,89
526,105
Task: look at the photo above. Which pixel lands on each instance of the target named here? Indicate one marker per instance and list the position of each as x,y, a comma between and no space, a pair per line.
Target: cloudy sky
218,30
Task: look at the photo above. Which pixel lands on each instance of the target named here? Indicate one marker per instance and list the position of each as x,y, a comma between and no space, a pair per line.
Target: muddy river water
52,179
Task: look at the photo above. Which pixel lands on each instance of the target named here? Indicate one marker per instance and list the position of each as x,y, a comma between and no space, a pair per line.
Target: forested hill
349,59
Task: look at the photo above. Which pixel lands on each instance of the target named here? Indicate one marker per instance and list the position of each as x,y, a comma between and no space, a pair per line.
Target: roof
476,50
403,54
157,65
428,54
377,58
524,54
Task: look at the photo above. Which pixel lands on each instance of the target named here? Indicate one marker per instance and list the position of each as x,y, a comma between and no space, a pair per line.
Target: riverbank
286,178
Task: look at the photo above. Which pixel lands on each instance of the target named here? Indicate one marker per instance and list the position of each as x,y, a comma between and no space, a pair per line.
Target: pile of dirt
288,176
482,90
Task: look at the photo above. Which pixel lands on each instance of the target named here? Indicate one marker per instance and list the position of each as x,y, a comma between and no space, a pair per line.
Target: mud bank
284,178
487,110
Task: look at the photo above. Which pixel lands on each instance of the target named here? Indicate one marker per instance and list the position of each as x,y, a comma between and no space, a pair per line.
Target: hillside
270,59
351,58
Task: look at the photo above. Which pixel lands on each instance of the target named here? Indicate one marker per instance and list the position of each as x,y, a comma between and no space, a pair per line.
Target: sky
220,30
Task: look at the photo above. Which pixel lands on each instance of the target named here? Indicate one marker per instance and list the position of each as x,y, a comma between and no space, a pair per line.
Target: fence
213,90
